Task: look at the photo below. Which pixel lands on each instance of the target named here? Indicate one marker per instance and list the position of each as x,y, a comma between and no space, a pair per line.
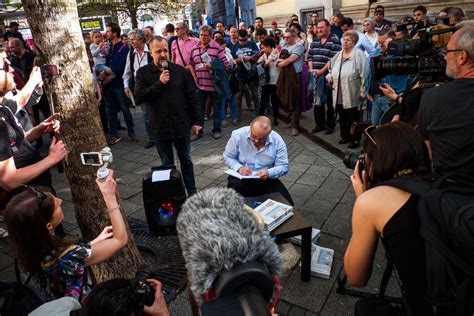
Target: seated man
257,150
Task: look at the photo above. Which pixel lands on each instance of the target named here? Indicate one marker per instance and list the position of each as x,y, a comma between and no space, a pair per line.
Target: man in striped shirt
202,55
322,49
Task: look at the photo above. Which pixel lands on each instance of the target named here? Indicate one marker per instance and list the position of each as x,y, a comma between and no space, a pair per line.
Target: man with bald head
22,59
260,151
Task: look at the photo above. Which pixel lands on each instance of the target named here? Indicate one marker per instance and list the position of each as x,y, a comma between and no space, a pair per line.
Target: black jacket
174,107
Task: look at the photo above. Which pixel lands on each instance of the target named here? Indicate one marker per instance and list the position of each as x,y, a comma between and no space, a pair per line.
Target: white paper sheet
239,176
160,175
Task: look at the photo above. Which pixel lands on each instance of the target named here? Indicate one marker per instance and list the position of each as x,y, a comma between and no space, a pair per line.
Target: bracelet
113,209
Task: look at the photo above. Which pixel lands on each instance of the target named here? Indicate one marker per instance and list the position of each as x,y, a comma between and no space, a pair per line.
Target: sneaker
217,135
275,122
150,144
317,130
295,131
224,124
133,137
196,137
236,122
113,140
329,131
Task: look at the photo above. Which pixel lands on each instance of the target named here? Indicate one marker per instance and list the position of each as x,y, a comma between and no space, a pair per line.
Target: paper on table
160,175
233,173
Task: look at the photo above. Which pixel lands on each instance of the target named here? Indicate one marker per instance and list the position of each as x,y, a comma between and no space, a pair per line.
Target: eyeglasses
446,50
39,194
369,130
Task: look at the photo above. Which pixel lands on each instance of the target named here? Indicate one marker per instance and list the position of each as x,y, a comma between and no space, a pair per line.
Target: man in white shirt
138,57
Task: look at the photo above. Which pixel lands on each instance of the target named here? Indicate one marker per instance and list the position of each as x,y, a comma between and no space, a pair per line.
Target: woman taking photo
348,72
388,213
58,268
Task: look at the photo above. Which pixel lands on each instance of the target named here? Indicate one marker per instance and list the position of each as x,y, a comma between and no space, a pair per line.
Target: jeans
183,148
146,119
233,112
253,87
216,111
380,105
115,100
325,121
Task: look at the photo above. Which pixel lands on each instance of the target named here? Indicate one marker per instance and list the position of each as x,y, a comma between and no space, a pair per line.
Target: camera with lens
413,56
144,293
351,158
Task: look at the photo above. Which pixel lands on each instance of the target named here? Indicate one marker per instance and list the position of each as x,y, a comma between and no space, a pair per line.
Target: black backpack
446,210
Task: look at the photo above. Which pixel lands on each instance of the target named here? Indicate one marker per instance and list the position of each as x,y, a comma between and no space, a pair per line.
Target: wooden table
296,225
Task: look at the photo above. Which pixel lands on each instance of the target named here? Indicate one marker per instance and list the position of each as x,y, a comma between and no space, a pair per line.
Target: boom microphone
220,241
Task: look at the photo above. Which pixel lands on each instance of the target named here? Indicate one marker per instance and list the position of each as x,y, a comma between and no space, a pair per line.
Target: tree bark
132,11
55,28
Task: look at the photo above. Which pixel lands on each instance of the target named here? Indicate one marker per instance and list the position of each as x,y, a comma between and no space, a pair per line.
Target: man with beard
446,112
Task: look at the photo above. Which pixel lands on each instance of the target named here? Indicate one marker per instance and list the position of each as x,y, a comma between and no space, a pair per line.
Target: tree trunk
132,10
55,28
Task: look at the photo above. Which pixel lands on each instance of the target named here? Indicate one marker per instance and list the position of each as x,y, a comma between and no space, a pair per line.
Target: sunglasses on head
369,130
40,195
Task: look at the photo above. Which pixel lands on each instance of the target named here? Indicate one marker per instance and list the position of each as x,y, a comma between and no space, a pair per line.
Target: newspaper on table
314,237
321,261
274,213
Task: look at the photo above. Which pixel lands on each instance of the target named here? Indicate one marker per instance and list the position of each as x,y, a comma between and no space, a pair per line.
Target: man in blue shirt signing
259,151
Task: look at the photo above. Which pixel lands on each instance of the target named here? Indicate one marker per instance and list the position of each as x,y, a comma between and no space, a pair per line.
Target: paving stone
339,305
302,190
311,179
127,191
296,311
283,307
339,221
320,170
319,206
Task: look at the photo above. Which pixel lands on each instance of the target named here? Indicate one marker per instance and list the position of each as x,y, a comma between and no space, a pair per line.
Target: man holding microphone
170,92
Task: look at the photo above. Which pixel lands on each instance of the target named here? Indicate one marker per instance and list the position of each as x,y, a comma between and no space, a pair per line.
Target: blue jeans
216,110
115,100
231,106
183,148
379,106
146,119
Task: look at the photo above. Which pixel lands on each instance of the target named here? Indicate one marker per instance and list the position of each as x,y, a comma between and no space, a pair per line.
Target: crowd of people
179,80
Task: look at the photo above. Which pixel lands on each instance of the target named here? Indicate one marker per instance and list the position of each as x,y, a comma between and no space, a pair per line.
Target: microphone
219,238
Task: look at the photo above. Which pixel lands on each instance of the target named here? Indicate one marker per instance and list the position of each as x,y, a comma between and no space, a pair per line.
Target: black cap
13,24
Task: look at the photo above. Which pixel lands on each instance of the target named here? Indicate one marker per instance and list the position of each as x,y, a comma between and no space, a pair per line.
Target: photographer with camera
59,268
121,297
385,212
380,102
446,112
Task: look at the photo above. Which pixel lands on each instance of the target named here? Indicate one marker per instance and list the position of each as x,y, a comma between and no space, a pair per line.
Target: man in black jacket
170,92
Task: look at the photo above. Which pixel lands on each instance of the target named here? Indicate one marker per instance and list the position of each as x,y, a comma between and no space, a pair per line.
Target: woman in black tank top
388,213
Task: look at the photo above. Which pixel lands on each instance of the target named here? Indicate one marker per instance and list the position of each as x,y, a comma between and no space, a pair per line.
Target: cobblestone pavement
317,180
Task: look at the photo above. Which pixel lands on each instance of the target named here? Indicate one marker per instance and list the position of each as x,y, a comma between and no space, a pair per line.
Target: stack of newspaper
274,213
321,261
314,237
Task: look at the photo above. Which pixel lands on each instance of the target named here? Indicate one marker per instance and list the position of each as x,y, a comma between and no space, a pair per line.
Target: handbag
357,128
20,300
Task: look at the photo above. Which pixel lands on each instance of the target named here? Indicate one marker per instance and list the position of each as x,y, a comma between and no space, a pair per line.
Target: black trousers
256,187
325,121
269,93
346,118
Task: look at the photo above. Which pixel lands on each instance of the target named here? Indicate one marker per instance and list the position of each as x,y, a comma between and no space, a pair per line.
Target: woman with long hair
385,212
59,268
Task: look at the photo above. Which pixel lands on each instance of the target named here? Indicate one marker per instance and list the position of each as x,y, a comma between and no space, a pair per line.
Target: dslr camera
144,293
351,158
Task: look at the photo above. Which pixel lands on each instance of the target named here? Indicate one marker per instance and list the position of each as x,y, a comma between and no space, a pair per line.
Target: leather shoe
353,145
317,130
148,145
329,131
342,141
